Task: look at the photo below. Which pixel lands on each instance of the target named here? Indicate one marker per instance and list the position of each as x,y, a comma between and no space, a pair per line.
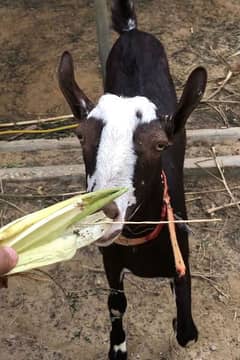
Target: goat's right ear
192,94
77,100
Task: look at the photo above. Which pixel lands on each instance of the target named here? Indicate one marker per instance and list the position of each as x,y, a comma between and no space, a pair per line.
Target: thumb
8,259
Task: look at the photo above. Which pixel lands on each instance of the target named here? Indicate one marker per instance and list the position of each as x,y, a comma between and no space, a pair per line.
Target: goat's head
123,138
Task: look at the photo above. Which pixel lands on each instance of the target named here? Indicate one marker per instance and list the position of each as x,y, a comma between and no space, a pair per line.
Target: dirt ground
34,33
65,317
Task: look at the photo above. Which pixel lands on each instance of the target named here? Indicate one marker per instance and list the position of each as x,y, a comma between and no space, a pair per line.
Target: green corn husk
55,233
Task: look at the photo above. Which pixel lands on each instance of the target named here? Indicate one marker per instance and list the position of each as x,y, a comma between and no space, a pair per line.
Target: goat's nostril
111,210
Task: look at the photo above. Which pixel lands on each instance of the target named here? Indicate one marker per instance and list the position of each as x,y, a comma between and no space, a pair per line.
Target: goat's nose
111,210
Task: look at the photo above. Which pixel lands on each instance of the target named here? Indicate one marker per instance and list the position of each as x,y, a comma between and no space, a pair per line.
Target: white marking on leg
123,272
121,347
190,343
116,313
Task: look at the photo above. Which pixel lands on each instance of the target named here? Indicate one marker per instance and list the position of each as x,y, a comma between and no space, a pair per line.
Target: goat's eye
160,147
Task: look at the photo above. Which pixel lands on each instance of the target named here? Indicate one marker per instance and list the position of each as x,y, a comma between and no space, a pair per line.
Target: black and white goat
134,133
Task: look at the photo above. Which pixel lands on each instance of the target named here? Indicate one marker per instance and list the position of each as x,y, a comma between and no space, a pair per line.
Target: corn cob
63,247
17,226
48,236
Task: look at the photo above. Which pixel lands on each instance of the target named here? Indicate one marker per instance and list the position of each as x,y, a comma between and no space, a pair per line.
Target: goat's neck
148,208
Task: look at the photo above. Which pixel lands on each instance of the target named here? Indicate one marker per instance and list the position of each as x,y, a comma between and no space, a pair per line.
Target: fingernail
13,256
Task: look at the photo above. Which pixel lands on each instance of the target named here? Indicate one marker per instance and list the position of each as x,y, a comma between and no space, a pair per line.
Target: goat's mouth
115,229
116,211
106,241
111,234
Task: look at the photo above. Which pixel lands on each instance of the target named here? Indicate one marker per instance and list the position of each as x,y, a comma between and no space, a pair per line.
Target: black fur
137,65
122,12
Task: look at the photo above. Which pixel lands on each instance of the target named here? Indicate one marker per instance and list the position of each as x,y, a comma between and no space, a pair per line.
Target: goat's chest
154,259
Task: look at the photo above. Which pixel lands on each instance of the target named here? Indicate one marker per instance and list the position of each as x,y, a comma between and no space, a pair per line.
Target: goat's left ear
192,94
77,100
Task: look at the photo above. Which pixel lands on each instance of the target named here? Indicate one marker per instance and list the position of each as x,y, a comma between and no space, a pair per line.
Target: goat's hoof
186,335
117,355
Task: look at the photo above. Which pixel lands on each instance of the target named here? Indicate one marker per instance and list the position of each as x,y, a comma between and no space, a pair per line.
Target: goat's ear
192,94
77,100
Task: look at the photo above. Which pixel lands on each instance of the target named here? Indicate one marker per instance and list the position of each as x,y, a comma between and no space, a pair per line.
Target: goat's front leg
117,304
184,324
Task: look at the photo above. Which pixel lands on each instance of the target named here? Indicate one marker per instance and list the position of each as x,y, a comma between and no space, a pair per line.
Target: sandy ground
34,33
67,319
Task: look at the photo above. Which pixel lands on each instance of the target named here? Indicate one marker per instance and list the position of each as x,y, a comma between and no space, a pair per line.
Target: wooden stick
206,136
235,54
190,221
220,101
49,196
211,191
213,136
232,163
228,77
220,112
217,208
39,131
205,275
14,206
212,282
38,196
37,121
223,177
198,164
102,33
75,173
194,199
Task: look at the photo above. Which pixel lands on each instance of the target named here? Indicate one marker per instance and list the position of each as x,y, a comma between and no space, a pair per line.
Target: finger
8,259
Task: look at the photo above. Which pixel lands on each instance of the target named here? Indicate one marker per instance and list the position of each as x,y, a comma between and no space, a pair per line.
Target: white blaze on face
116,157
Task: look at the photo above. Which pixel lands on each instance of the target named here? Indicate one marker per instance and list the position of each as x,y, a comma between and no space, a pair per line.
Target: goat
136,131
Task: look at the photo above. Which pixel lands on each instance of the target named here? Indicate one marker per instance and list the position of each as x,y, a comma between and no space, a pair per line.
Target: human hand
8,260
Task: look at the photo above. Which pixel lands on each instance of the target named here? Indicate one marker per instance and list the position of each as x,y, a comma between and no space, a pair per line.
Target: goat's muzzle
111,211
